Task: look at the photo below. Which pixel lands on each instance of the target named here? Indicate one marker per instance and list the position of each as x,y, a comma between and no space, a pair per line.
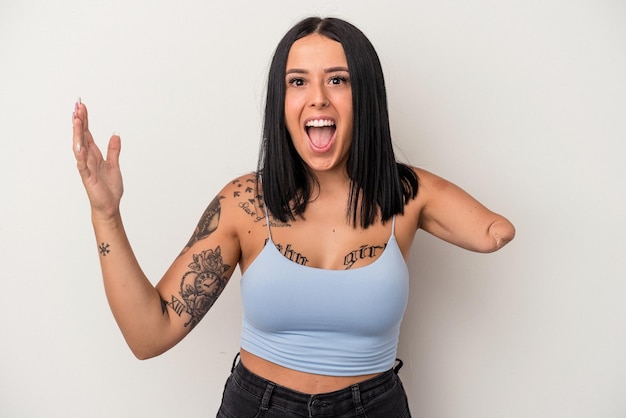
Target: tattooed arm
155,318
200,273
208,223
152,319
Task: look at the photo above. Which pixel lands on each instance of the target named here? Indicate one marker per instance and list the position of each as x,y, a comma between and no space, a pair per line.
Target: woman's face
318,102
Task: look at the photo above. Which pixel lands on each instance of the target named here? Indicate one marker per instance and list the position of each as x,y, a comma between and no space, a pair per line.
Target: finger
82,114
78,133
81,111
87,154
113,151
80,151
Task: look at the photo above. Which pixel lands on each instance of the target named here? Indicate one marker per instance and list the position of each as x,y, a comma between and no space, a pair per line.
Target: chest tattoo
364,251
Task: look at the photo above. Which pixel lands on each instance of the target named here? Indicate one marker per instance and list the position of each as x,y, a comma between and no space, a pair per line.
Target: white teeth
317,123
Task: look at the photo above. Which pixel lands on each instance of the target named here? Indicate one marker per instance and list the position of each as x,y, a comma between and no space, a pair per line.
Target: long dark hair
378,181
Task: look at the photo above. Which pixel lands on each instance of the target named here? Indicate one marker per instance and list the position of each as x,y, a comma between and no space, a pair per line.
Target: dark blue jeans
247,395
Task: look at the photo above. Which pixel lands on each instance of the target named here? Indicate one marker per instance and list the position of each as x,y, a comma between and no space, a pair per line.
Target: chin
330,164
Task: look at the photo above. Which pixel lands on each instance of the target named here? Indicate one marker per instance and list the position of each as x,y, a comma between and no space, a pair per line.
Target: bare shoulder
430,186
224,213
429,182
244,212
242,209
433,187
241,199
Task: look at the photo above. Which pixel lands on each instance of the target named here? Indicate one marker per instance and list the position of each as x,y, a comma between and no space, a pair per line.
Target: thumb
113,151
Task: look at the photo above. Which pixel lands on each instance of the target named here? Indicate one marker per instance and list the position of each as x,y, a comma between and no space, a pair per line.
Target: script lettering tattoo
251,202
248,198
364,251
201,285
250,208
208,223
104,249
292,255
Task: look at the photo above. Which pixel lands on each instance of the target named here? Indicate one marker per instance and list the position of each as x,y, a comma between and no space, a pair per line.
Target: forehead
316,50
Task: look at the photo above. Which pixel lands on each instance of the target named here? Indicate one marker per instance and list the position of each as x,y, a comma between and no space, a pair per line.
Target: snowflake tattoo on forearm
104,249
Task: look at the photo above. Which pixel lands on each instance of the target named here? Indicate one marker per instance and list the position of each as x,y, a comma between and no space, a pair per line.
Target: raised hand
102,178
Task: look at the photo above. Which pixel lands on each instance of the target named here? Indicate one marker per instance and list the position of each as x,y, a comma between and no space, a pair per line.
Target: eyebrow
326,70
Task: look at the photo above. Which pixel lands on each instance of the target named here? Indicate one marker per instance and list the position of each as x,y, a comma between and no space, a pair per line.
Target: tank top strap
393,226
267,215
267,221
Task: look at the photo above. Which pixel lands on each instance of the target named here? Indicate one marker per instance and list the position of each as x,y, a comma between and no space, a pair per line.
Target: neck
332,182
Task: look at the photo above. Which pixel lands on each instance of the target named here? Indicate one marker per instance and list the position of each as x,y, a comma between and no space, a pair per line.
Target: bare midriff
299,381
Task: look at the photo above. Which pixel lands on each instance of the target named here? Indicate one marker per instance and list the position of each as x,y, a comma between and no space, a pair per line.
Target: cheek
292,114
292,123
349,122
344,105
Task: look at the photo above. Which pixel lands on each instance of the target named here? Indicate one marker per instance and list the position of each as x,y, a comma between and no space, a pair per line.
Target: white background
520,102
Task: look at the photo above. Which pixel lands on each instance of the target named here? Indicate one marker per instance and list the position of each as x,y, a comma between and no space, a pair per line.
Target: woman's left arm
449,213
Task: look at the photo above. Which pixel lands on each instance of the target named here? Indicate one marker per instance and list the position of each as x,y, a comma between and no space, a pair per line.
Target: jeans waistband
266,390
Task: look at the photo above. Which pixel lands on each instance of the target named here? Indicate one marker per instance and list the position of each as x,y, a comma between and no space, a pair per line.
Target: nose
319,98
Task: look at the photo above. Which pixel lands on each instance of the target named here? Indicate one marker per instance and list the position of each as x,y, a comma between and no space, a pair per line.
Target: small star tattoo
104,249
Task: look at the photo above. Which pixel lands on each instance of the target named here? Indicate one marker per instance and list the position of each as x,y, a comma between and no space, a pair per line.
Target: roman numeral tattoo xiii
200,286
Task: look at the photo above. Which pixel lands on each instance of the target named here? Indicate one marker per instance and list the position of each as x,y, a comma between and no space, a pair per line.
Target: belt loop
398,366
232,369
265,402
356,398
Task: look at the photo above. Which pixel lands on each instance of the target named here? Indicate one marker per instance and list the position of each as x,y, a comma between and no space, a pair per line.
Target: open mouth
321,133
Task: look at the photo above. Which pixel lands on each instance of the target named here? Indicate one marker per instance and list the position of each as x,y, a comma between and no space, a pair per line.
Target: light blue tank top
329,322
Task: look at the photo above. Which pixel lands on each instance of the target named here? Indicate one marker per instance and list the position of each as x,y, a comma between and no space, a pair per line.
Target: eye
295,81
337,80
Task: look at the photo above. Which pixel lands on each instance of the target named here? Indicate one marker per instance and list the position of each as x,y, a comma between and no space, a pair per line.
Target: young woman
320,232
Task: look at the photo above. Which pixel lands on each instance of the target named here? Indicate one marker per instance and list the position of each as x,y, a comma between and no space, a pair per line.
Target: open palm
102,178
